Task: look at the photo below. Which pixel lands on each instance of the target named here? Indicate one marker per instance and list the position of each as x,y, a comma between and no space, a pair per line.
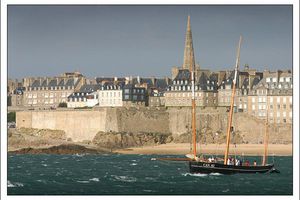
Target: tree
62,105
11,117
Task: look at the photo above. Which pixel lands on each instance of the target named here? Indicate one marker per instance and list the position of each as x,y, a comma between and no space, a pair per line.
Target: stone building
87,96
134,96
246,80
179,92
49,92
110,95
272,97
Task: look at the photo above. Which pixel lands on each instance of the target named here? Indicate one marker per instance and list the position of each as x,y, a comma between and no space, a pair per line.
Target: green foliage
62,105
11,117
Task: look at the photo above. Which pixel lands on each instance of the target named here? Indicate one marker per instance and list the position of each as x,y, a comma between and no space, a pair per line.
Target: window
268,80
126,97
278,114
271,107
126,91
259,99
278,100
278,106
284,106
281,79
271,99
253,107
253,99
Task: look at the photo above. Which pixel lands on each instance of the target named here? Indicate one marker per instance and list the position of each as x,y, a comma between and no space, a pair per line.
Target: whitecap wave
83,181
133,164
153,158
215,174
41,181
16,184
227,190
124,178
94,179
45,165
148,190
197,175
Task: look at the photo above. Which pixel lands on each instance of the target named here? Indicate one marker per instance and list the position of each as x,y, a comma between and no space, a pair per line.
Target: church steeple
188,59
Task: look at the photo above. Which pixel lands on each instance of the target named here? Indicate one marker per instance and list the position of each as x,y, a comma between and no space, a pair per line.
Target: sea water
115,174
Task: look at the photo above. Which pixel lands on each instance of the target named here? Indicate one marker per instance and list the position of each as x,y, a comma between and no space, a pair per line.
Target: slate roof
90,88
54,82
183,74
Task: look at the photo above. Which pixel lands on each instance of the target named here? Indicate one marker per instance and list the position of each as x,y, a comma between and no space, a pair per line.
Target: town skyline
68,38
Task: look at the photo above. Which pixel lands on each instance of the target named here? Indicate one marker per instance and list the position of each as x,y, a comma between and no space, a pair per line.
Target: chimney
153,81
167,80
138,79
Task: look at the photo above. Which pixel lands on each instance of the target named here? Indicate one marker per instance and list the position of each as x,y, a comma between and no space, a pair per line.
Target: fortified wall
82,125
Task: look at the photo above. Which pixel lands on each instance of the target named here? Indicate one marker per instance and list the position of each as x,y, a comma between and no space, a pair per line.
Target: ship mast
232,102
193,113
265,157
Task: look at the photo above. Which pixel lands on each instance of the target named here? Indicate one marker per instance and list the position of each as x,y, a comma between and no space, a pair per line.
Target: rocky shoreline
45,141
60,149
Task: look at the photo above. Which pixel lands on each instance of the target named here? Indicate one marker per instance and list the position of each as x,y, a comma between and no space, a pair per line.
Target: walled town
156,109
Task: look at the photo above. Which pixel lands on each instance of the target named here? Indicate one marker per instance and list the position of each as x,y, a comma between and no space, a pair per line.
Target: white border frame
4,4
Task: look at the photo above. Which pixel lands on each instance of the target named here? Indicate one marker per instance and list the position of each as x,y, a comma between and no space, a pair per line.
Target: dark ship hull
207,168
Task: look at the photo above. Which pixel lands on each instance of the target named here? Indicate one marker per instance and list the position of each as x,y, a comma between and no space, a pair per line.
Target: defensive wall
82,125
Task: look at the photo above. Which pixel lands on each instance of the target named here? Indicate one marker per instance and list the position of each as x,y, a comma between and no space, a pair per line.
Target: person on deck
247,163
254,163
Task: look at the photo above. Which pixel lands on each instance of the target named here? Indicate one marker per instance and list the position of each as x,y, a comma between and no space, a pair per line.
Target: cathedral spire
188,59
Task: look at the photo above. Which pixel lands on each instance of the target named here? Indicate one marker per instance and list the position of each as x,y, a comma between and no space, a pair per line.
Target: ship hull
207,168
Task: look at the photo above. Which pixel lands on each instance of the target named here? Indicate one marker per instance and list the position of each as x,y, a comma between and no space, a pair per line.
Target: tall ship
203,166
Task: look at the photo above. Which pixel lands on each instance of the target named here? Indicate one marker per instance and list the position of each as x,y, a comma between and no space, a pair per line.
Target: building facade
110,95
272,98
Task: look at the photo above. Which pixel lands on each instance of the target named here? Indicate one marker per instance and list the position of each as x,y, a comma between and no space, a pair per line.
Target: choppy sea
135,175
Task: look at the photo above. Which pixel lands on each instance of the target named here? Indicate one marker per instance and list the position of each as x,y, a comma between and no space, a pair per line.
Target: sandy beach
184,148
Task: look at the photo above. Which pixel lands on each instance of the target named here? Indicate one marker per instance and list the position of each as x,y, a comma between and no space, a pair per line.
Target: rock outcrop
115,140
61,149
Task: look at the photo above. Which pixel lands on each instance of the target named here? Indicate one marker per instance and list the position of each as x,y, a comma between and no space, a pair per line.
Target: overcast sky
144,40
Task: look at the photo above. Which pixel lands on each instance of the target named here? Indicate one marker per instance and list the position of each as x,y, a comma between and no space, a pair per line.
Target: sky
101,41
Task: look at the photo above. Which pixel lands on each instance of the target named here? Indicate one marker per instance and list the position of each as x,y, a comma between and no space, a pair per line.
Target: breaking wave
94,179
16,184
124,178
